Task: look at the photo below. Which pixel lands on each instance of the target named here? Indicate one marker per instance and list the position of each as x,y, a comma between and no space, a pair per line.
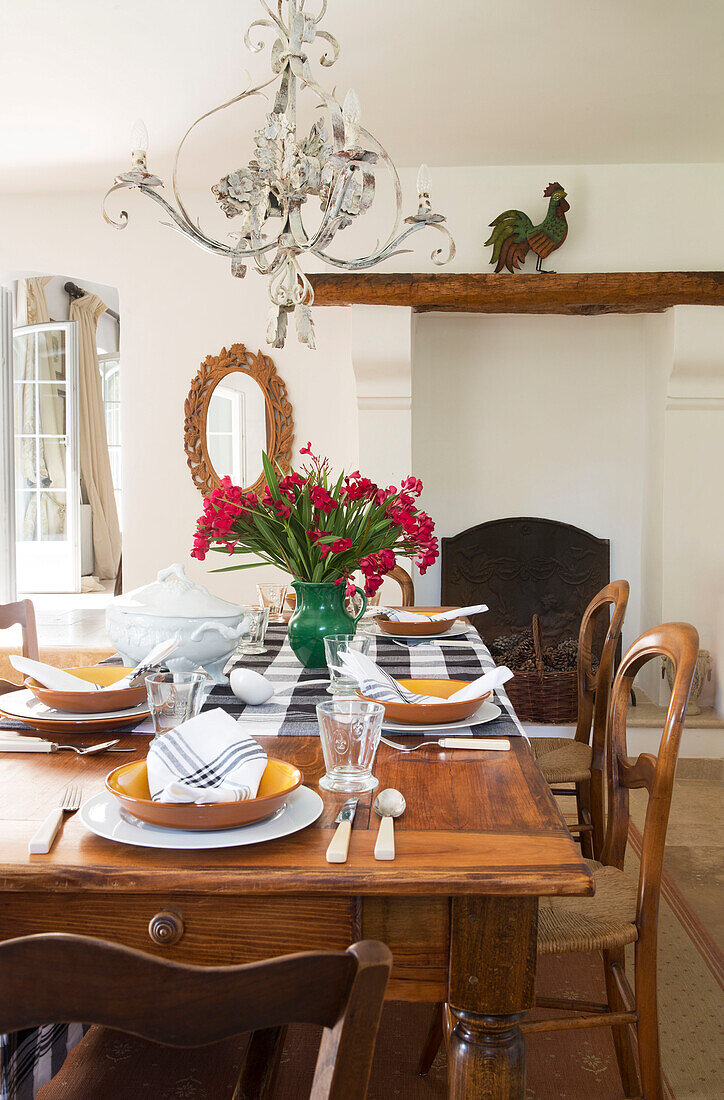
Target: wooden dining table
481,840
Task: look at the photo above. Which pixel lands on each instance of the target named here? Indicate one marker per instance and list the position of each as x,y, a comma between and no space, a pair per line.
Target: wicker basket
546,695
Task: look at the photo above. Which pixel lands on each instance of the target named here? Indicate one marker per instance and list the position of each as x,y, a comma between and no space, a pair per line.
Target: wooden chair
623,911
20,613
405,582
581,760
57,978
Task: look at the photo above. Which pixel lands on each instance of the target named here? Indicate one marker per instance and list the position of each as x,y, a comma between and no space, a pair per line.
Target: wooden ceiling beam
584,294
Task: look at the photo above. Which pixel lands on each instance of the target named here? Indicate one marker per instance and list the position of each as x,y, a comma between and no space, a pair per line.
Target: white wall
533,416
179,304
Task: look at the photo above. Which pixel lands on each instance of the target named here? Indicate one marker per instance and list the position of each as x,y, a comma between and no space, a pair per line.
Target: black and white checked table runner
294,714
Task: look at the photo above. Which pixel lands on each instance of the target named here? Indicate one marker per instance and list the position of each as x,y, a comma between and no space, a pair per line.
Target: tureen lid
174,594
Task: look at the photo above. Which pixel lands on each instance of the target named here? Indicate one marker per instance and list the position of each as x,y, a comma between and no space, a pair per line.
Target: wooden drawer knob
166,928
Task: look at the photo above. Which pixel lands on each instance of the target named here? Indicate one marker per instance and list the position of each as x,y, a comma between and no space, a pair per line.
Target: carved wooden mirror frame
279,419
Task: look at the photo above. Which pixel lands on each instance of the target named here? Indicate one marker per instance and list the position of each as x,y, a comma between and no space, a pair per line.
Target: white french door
46,458
8,591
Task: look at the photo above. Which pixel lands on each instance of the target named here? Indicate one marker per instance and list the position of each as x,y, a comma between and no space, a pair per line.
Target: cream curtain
95,466
47,521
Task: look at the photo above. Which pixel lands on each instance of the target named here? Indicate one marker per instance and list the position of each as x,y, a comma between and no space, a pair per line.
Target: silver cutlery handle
339,844
17,744
385,844
42,841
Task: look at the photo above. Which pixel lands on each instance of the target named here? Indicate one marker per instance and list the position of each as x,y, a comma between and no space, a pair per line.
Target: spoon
389,804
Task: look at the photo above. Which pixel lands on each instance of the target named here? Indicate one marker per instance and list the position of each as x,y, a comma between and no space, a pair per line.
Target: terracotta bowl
91,702
414,630
427,714
129,784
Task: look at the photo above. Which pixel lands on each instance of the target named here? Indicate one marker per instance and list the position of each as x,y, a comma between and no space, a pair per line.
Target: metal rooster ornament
514,233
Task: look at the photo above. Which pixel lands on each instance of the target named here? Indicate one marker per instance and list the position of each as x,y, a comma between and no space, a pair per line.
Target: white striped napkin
207,759
376,683
55,679
400,616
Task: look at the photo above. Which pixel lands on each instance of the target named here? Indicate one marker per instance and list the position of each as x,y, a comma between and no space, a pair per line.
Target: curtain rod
75,291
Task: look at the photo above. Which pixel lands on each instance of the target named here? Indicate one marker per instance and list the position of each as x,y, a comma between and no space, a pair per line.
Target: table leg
492,986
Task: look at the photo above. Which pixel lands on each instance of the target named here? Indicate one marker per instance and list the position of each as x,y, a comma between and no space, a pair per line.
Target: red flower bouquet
319,529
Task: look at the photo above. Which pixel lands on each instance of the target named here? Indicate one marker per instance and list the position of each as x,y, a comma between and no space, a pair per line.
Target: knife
337,850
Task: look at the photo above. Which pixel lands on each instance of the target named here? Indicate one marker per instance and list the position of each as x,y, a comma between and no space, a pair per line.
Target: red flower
282,509
307,450
322,499
340,545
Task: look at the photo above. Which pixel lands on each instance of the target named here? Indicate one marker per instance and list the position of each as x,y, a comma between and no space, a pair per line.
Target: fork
497,744
42,841
37,744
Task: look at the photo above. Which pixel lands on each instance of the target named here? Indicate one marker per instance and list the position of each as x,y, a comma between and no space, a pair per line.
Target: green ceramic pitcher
320,611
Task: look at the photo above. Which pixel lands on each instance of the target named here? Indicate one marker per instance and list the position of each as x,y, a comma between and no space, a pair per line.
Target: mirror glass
236,431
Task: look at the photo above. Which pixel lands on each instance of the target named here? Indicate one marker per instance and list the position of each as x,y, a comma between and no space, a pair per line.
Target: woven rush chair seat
561,759
601,923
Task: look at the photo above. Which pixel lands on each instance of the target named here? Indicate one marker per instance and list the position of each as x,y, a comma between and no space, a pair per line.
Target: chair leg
647,1031
261,1064
622,1038
433,1042
583,806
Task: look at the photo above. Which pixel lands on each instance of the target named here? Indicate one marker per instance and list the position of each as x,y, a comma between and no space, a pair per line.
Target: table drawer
190,927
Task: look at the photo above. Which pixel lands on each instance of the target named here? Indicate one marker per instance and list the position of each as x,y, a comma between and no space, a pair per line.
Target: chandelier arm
386,159
123,218
207,114
328,59
391,248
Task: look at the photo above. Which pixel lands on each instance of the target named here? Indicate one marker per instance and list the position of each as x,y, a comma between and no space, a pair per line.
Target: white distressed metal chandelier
335,163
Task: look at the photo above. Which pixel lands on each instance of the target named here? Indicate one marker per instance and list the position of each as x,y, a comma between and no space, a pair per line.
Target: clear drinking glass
334,644
273,595
253,630
349,730
174,697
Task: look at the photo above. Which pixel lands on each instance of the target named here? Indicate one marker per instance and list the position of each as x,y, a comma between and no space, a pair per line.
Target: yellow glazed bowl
91,702
425,714
129,784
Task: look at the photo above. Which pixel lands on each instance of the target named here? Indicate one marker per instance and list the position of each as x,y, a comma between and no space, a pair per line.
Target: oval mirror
237,407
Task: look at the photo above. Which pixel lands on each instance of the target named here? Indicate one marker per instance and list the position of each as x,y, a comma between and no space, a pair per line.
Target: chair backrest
404,580
679,642
594,689
58,978
20,613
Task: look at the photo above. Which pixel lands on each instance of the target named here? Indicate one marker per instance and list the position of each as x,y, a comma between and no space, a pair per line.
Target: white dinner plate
486,712
456,630
23,704
102,815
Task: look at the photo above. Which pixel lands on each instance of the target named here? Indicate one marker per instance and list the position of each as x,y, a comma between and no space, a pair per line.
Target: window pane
51,407
113,425
220,447
112,380
51,516
51,356
24,407
25,516
52,462
114,454
26,475
219,414
24,357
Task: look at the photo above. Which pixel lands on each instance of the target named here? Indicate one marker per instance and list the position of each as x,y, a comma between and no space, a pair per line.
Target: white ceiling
455,82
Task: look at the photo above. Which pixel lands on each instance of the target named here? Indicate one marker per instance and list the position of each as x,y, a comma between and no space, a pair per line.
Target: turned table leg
492,986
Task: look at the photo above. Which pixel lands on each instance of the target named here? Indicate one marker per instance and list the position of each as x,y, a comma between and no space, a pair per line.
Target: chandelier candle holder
336,163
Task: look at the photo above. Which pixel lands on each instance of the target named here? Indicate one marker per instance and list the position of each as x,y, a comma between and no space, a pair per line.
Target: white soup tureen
207,627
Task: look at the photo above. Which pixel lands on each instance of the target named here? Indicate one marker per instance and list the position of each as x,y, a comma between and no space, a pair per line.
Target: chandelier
336,163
